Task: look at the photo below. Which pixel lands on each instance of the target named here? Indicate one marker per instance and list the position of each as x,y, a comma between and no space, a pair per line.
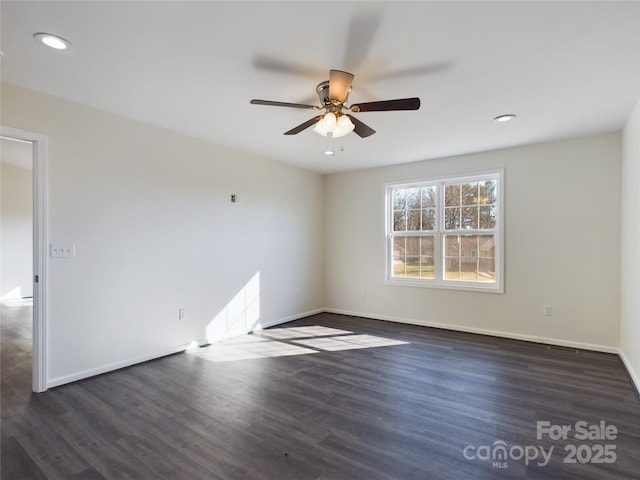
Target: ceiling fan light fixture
326,125
330,127
329,121
319,129
335,122
343,127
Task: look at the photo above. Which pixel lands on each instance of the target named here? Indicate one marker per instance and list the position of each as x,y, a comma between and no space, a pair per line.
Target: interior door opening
16,258
16,232
24,240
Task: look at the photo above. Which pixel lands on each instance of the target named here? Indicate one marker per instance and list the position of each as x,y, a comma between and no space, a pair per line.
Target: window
445,232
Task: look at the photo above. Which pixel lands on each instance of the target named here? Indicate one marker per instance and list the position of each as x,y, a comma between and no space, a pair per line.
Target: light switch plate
62,251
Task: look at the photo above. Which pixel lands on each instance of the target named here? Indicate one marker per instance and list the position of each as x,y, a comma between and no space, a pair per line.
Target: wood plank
16,463
384,412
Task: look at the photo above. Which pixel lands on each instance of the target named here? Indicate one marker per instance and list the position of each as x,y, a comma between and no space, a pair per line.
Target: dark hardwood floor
374,400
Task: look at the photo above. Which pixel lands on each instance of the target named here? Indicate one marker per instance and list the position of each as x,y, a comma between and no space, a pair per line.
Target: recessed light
52,41
328,152
504,118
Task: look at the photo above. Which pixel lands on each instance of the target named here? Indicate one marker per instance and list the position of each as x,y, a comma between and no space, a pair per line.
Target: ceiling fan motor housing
333,94
323,94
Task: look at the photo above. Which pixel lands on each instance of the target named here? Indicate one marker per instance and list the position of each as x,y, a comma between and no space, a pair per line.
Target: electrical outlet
363,292
548,310
182,314
62,251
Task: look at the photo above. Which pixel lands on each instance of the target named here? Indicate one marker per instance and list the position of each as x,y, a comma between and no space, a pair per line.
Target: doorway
24,279
16,221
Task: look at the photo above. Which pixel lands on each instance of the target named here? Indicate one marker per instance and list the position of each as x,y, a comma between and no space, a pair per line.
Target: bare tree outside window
445,231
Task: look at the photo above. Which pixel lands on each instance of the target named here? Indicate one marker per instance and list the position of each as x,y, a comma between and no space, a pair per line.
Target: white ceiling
566,68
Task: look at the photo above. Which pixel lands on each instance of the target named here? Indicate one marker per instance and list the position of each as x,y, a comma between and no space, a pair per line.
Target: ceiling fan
337,121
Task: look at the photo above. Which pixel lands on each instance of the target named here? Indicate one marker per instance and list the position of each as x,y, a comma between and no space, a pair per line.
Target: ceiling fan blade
303,126
272,64
283,104
387,105
339,85
361,129
361,33
428,69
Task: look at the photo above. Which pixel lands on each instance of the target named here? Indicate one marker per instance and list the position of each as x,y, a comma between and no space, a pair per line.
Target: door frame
40,331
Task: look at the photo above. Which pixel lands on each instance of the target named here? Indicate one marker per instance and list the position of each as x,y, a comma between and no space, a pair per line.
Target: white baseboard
632,374
293,317
74,377
57,381
481,331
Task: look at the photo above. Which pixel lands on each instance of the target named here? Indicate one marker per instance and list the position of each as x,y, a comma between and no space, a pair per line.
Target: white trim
40,241
110,367
480,331
409,321
440,232
635,379
294,317
449,285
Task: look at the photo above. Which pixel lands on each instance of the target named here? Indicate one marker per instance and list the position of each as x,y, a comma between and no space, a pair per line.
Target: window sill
445,285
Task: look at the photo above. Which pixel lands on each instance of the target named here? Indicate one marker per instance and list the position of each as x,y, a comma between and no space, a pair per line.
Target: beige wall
630,247
562,220
155,231
150,215
16,254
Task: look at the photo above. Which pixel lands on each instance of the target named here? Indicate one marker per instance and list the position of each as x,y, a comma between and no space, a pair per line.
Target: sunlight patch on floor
279,342
248,347
17,302
349,342
302,332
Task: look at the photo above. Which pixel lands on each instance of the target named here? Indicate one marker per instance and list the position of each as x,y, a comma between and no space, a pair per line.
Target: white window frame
439,233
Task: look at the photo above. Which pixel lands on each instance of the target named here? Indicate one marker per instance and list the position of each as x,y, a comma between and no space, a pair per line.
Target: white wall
150,215
562,246
154,229
630,246
16,254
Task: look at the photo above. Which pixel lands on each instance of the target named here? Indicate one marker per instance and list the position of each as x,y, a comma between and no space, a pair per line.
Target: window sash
430,270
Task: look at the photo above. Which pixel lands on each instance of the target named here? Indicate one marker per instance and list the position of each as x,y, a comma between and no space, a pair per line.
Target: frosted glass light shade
343,127
333,128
